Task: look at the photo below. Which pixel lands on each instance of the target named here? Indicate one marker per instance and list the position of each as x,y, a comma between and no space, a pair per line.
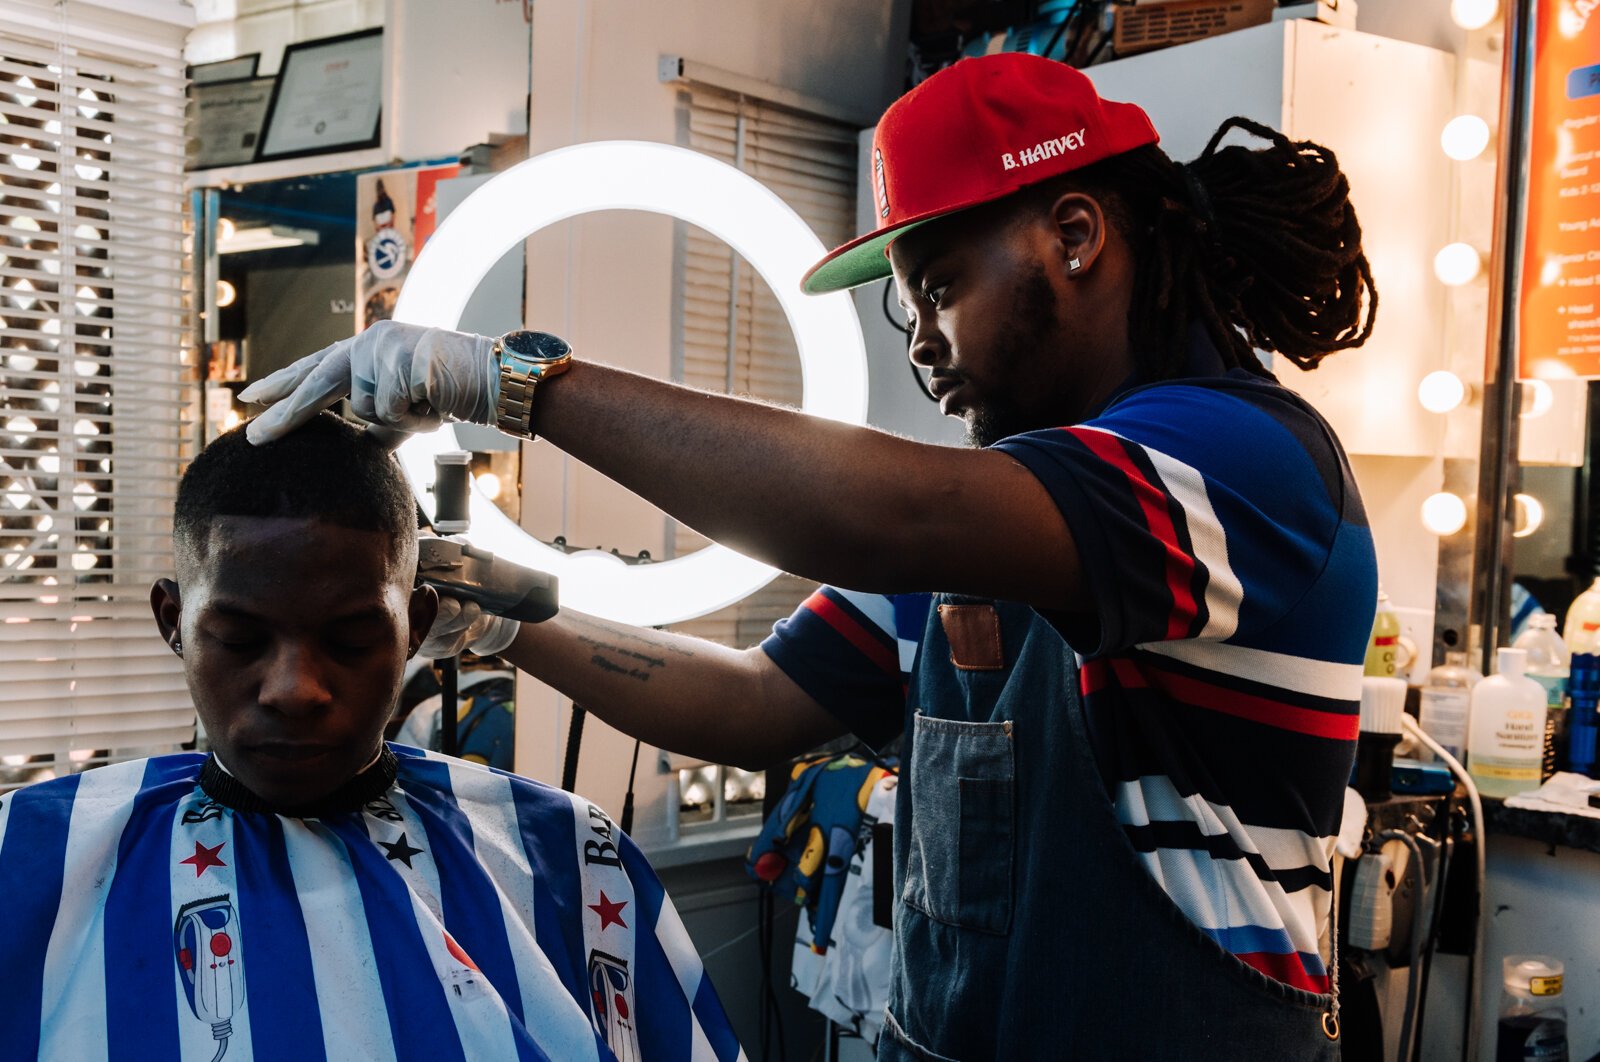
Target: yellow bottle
1384,646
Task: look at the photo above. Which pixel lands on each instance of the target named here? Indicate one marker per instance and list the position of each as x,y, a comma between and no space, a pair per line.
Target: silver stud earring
177,646
1074,265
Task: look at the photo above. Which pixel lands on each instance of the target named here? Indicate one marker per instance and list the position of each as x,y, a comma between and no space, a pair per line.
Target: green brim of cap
856,263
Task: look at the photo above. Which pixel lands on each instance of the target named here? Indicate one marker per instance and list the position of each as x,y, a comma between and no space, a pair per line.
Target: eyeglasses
919,374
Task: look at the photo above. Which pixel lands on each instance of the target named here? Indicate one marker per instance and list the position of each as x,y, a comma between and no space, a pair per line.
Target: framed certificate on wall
329,97
225,69
227,117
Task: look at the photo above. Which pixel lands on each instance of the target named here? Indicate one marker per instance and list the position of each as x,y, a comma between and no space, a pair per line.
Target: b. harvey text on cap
1047,149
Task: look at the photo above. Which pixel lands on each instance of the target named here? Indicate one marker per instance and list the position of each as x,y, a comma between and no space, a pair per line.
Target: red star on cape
609,911
204,857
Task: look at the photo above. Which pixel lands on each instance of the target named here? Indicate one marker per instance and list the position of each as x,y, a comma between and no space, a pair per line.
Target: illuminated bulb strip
1530,515
660,179
1442,391
1457,264
1444,513
1465,137
1537,398
1474,14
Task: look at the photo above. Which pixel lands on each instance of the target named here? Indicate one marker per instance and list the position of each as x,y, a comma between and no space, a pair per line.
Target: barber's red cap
972,133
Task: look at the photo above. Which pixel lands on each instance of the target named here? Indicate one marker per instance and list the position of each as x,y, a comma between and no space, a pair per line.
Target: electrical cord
569,765
627,800
1419,913
1469,1041
1440,879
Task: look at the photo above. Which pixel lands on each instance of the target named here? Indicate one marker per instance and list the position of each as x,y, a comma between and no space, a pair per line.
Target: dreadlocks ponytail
1291,274
1260,248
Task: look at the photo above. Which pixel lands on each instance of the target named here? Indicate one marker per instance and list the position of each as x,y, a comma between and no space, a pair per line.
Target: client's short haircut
326,470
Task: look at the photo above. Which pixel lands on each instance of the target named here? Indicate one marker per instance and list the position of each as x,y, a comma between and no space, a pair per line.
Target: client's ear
166,601
422,609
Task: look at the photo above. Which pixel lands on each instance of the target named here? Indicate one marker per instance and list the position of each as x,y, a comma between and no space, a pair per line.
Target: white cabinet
1379,104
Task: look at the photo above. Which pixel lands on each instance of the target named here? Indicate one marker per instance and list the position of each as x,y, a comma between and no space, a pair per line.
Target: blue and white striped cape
466,914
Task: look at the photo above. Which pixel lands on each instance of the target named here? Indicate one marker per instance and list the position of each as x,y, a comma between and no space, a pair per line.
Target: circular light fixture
1442,391
660,179
226,293
1444,513
1530,515
1537,398
1474,14
1464,137
489,483
1457,264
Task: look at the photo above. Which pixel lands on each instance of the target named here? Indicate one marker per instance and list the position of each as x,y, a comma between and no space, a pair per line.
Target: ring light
661,179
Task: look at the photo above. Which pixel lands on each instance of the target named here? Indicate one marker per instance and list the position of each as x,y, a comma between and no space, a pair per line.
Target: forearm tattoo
620,651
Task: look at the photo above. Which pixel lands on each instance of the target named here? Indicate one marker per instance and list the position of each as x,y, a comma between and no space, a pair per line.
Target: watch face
536,346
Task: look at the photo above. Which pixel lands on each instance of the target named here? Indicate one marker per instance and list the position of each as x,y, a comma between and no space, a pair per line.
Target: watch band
517,382
520,374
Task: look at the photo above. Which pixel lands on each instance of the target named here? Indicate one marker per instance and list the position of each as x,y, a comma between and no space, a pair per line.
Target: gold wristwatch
525,358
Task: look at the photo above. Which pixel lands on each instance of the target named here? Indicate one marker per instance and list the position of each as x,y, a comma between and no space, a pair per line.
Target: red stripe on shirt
1262,710
853,632
1153,501
1286,968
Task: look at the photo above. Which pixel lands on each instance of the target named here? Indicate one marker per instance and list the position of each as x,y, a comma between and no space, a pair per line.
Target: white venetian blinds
734,336
93,327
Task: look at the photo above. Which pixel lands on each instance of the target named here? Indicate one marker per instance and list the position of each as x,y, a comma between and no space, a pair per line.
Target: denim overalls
1025,925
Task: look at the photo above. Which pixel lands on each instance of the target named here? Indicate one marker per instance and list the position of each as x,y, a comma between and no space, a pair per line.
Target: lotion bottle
1505,736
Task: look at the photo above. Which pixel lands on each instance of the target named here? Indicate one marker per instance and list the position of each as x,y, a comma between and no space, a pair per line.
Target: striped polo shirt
1232,579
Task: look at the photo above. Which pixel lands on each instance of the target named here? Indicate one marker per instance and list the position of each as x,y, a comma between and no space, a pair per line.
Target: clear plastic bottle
1533,1018
1446,703
1582,631
1505,733
1384,645
1549,664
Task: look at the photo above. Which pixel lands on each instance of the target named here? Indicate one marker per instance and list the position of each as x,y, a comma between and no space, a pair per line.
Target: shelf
1550,827
309,166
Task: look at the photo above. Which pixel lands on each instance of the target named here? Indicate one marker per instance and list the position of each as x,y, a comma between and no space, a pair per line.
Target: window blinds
93,329
734,336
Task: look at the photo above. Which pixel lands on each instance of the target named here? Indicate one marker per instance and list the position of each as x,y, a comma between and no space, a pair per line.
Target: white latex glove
397,375
463,625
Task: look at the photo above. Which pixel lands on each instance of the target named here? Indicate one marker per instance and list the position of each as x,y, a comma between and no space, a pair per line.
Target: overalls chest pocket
963,799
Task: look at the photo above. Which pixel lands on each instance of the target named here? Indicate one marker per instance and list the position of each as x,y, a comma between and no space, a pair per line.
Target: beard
993,422
1026,335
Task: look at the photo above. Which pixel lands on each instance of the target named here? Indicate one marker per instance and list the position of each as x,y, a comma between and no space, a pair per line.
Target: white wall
455,72
605,281
228,28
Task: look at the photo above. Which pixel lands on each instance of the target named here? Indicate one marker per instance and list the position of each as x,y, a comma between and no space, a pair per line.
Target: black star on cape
398,849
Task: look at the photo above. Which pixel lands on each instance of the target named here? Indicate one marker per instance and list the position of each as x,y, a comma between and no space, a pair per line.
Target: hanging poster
1560,306
396,212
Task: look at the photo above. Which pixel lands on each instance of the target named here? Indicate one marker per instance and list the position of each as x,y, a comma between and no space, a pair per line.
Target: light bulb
1457,264
1530,515
1464,137
1444,513
489,483
1474,14
1442,391
226,293
225,229
1537,398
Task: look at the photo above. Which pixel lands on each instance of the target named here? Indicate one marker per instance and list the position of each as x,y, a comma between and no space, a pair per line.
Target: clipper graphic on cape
205,943
611,989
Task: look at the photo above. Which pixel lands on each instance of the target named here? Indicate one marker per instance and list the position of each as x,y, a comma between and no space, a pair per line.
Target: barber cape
449,912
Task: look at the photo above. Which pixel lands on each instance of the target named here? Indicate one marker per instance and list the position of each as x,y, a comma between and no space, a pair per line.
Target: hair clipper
461,570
